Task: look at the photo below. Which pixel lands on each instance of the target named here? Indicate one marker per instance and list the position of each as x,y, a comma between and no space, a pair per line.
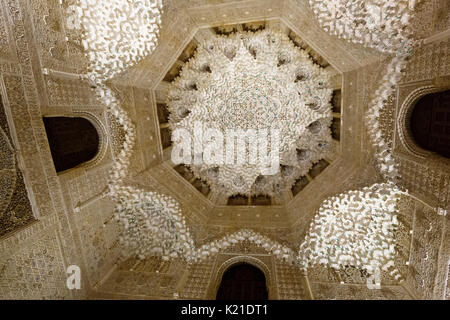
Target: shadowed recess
430,123
243,282
73,141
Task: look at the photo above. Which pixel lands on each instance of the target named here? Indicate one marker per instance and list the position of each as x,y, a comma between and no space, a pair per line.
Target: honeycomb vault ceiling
293,181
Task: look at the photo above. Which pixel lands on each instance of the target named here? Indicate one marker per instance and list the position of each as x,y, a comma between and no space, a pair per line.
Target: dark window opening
166,138
318,168
299,185
336,101
225,30
188,52
197,183
184,171
254,26
238,200
243,282
163,113
261,200
336,129
73,141
313,55
430,123
202,187
173,73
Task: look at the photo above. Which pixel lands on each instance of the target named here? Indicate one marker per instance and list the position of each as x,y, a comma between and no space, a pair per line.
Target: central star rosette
253,81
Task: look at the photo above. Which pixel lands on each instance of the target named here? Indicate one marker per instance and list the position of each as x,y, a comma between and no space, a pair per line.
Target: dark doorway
72,141
430,123
243,282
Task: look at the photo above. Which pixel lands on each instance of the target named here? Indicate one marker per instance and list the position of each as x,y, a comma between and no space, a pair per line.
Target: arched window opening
243,282
73,141
430,123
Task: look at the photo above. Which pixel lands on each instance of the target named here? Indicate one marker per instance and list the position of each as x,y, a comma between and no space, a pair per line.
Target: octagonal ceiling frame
279,15
180,51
